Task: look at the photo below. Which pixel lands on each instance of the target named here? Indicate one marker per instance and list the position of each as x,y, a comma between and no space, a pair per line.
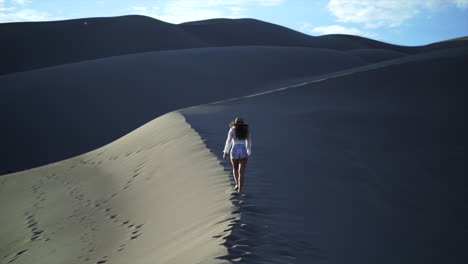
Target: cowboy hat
238,121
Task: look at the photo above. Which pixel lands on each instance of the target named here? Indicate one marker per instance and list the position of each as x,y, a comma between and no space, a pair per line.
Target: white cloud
23,15
336,29
235,10
3,9
178,11
271,2
20,2
231,2
17,11
140,9
461,3
391,13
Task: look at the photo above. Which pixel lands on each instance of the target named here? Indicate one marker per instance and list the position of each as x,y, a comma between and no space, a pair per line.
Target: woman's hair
241,128
242,131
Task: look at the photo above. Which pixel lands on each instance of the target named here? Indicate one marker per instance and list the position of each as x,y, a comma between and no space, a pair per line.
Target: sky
402,22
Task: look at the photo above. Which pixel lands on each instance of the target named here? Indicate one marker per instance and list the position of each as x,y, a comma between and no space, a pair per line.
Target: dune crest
156,194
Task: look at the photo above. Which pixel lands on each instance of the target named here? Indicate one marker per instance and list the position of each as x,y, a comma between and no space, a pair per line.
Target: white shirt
231,139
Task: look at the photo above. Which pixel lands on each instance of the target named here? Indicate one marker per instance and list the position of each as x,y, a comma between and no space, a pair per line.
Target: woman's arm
227,146
249,145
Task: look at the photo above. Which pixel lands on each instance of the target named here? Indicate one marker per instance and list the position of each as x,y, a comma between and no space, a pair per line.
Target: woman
239,139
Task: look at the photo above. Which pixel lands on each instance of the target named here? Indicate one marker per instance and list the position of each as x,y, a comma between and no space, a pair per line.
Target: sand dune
246,32
357,42
368,167
362,167
100,37
79,107
236,32
359,149
156,195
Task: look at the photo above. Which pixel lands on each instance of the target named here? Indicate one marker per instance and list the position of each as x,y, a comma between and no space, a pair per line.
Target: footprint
122,247
134,237
17,255
21,252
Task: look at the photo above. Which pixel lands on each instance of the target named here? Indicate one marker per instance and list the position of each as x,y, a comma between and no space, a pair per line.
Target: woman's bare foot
235,187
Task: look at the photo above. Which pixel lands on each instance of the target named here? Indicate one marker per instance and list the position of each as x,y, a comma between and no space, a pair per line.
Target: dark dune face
376,55
364,168
59,112
349,42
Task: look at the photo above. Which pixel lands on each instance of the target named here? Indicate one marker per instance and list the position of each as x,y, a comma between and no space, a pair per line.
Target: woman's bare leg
242,165
235,170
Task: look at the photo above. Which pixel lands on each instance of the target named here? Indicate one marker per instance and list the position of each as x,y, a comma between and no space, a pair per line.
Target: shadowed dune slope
369,167
59,112
156,195
376,55
33,45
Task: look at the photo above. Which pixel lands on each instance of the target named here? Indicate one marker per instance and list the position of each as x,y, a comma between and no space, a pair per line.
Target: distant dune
358,153
241,32
33,45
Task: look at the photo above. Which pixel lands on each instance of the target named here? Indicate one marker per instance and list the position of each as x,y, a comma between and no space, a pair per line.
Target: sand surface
156,195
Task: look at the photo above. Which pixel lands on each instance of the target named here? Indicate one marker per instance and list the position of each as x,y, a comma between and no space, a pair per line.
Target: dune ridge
155,195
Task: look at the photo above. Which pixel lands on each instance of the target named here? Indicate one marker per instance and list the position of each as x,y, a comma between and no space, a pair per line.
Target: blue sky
403,22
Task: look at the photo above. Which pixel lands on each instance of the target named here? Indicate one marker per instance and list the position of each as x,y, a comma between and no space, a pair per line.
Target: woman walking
239,139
